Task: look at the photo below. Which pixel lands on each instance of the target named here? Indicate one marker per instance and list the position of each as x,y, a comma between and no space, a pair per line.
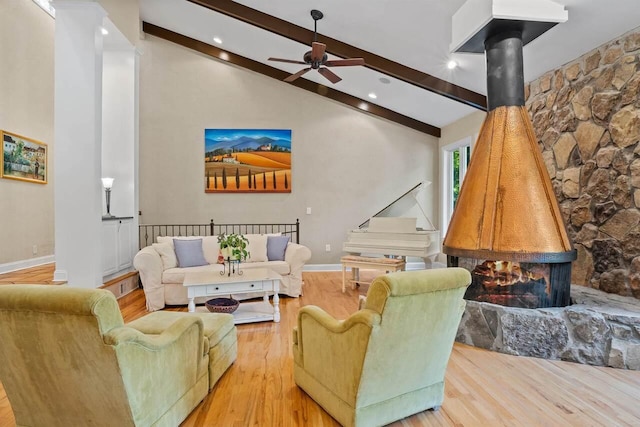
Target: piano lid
402,204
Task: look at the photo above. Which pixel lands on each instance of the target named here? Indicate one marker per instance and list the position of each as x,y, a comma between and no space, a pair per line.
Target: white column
78,133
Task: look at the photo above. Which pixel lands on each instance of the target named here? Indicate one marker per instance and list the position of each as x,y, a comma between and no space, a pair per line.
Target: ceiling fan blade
290,61
330,75
344,62
292,77
317,51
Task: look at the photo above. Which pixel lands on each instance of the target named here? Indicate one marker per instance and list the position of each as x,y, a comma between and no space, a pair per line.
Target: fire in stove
511,284
506,273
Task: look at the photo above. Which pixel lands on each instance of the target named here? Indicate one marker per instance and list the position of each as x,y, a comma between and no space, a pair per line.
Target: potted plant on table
233,246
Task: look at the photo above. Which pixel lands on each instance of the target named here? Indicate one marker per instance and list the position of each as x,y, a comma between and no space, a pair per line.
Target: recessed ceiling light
452,64
384,80
373,95
223,56
104,31
217,40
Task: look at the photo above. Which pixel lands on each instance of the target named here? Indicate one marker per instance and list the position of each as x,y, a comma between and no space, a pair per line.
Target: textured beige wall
125,14
466,126
26,108
346,164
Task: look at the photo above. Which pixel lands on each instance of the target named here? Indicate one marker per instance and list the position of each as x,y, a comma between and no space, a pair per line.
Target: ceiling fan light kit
317,59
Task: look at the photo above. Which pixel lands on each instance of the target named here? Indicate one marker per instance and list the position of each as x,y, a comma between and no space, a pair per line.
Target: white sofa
162,278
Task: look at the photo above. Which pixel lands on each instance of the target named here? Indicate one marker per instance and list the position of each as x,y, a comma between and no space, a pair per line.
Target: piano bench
357,262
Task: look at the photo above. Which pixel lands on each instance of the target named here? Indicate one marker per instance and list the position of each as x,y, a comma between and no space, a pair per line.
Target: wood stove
507,228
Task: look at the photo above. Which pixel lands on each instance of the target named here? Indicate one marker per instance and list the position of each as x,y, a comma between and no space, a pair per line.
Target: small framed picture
23,158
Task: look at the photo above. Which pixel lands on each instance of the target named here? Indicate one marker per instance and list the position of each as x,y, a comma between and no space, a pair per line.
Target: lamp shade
107,182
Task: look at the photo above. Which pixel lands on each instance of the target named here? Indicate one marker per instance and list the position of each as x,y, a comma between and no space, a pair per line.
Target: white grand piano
395,236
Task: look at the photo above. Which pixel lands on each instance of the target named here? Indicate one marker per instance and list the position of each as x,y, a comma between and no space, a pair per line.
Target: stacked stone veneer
586,116
598,329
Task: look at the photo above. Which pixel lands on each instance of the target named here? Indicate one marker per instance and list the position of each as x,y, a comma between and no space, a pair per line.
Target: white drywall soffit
474,15
46,6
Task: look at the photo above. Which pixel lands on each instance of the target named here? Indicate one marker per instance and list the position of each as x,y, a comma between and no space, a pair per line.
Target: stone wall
598,329
586,115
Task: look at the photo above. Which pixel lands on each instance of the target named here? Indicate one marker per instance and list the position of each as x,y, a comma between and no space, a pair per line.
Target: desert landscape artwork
247,160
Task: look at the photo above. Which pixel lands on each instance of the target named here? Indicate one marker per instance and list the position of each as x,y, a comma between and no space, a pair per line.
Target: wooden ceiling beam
275,73
375,62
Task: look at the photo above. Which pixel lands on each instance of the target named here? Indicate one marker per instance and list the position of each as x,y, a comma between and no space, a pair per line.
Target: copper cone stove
507,227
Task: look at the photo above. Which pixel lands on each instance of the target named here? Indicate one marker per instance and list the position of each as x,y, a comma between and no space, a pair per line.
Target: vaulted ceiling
405,45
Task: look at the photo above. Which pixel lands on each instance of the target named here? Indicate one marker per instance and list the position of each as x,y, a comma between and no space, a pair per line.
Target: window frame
447,178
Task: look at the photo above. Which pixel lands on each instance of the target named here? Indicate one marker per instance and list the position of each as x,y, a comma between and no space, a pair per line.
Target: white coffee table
252,280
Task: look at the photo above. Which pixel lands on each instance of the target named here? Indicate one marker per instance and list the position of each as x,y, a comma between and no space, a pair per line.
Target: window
459,162
455,159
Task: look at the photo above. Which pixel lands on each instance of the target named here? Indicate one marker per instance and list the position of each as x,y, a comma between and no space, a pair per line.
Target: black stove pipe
505,70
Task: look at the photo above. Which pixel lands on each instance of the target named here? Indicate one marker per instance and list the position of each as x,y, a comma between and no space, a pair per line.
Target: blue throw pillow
189,252
276,246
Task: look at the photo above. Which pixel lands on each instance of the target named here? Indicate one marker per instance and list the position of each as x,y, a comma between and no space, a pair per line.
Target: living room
339,154
324,165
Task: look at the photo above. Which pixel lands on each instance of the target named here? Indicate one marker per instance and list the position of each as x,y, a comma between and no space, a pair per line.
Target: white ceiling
415,33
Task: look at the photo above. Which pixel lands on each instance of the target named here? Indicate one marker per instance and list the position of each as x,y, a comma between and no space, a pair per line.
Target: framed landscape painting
247,160
23,158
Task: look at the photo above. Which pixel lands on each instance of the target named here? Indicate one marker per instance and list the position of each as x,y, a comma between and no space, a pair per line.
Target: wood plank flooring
482,388
42,274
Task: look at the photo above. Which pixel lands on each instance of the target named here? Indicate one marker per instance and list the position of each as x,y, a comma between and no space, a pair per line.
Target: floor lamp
107,183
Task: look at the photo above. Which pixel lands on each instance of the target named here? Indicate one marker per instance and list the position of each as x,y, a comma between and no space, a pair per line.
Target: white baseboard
338,267
26,263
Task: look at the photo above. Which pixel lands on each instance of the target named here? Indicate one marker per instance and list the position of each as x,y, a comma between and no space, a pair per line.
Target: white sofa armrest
149,264
296,256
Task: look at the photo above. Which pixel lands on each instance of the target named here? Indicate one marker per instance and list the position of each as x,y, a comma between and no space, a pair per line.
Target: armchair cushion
220,336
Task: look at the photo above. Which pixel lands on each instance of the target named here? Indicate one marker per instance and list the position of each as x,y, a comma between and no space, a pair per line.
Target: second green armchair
67,359
388,360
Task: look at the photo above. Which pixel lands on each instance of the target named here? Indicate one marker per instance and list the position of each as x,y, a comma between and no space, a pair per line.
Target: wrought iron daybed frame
147,233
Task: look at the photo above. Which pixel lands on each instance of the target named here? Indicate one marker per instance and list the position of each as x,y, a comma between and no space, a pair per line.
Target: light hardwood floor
482,388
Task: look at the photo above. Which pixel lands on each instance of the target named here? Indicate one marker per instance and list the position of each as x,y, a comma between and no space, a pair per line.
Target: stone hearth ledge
597,329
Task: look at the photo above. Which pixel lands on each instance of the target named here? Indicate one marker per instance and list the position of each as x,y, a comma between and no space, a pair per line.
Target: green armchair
386,361
67,359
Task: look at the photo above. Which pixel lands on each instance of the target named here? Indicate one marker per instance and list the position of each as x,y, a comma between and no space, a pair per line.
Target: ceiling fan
317,59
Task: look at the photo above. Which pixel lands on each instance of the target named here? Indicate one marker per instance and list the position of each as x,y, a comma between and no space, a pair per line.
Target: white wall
119,139
347,165
26,108
118,129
